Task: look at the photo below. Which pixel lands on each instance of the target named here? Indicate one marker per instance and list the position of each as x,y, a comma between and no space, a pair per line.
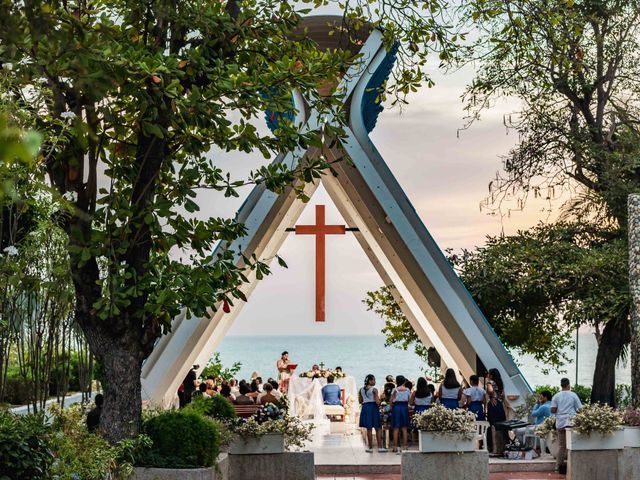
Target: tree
573,66
138,93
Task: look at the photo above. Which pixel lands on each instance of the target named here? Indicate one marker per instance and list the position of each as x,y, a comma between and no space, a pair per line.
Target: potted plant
270,430
444,430
631,422
596,427
547,431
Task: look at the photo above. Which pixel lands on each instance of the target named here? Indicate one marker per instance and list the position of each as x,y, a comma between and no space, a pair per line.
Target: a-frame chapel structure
389,230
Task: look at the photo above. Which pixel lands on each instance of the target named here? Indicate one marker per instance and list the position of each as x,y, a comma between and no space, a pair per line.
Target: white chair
481,434
336,412
537,441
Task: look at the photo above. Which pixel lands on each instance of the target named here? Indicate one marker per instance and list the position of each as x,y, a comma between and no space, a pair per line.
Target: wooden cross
320,229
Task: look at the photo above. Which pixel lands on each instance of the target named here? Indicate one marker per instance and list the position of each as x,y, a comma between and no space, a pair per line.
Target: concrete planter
265,444
210,473
632,437
445,465
552,444
430,442
615,441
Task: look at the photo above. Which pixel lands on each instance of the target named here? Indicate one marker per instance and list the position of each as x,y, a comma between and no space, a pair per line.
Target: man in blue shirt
541,410
331,392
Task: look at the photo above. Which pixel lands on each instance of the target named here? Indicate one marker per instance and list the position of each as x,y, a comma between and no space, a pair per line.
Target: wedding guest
400,413
254,389
370,413
283,371
93,417
181,396
476,398
267,396
388,388
540,411
338,370
225,391
496,409
233,385
450,391
564,405
275,392
190,384
331,392
422,397
201,391
211,386
244,398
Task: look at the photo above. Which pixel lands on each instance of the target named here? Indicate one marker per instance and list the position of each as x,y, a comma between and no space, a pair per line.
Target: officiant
284,374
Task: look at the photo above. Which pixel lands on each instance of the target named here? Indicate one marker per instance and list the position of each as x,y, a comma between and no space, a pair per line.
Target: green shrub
24,446
181,439
540,388
583,392
87,456
216,407
623,396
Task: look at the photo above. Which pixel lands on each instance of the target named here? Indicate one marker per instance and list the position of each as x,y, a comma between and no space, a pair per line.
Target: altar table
305,396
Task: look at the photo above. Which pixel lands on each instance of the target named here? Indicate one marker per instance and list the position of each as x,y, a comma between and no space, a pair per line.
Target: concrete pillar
631,463
595,465
634,286
438,466
277,466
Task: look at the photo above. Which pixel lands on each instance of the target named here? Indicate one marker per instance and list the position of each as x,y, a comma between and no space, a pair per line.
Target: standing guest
283,371
244,398
495,409
225,391
190,384
370,413
564,405
476,398
400,413
421,399
267,396
93,417
331,392
181,396
450,391
388,388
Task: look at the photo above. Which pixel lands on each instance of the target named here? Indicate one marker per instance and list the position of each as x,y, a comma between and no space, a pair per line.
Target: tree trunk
121,359
634,287
614,337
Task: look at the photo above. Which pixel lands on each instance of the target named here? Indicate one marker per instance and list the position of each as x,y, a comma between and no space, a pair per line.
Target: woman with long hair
450,391
495,408
370,413
421,399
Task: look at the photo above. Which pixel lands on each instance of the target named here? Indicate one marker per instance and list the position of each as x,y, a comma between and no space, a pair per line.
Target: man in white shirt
564,405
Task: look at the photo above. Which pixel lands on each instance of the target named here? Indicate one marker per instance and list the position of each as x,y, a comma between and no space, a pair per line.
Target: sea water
361,355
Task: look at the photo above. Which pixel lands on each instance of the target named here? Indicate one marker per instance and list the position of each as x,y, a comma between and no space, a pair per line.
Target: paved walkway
493,476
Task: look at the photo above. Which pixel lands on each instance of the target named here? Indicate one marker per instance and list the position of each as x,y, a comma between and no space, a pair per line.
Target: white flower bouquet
439,419
596,418
547,426
272,419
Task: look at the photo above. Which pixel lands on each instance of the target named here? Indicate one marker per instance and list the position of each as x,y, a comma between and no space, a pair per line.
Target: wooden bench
246,411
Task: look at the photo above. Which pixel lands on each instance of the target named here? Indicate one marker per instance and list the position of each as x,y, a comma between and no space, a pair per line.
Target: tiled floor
493,476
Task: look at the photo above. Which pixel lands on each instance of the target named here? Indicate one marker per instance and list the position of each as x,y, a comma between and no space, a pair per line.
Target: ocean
361,355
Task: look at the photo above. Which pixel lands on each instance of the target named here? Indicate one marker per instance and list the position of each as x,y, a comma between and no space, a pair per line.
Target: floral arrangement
322,374
631,417
547,426
272,419
596,418
439,419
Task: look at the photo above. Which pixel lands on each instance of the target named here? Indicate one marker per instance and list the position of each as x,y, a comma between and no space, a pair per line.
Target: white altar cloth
305,396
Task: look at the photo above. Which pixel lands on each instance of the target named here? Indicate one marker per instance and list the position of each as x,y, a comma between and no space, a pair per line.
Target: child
400,413
421,399
370,414
476,398
388,388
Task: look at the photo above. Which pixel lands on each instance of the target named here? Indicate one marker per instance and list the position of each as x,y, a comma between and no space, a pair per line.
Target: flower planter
552,444
445,442
615,441
632,437
264,444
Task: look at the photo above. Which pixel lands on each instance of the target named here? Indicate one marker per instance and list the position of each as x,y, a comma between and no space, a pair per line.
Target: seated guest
211,386
540,411
243,398
233,384
331,392
202,391
254,390
476,398
267,396
275,392
225,391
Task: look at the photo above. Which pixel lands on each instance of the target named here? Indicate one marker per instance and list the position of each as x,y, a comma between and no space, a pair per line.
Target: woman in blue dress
400,412
476,397
450,392
370,413
421,399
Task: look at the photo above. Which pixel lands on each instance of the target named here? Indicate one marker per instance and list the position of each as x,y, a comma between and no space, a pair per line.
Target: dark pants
561,459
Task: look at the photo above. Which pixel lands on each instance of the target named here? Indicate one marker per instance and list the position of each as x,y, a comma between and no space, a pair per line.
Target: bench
246,411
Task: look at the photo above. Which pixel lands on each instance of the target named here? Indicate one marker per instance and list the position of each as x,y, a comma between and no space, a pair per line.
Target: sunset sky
446,176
